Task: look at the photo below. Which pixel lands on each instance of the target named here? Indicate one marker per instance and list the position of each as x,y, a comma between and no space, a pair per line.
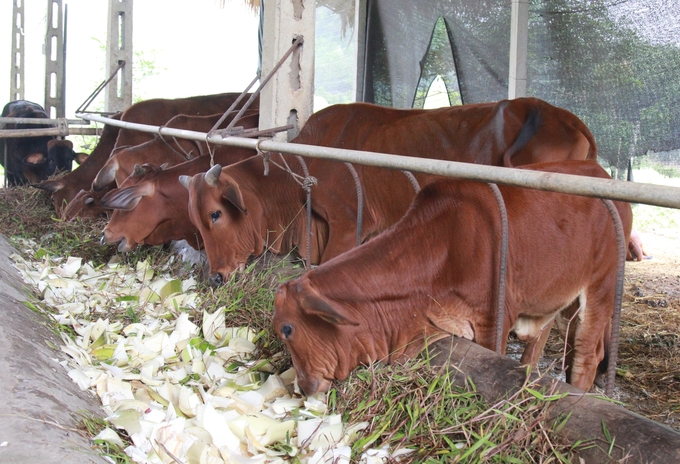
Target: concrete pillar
16,86
519,33
118,96
55,47
360,11
289,95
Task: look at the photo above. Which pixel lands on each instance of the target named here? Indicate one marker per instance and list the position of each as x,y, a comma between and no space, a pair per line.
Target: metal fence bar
42,121
650,194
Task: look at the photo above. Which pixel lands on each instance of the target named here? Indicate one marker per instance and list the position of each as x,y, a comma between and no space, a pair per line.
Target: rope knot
265,156
309,182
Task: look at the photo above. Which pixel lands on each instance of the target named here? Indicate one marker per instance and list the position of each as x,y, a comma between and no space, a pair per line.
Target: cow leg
589,337
534,347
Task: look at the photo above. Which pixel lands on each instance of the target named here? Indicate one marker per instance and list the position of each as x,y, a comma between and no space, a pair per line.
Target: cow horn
139,171
88,201
184,180
213,175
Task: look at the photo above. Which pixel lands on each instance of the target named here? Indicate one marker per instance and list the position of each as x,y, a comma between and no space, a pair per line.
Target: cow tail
529,129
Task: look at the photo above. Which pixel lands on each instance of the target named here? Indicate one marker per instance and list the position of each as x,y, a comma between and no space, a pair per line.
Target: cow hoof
216,279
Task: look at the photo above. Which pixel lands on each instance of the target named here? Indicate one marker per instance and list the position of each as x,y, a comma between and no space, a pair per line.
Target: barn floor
649,359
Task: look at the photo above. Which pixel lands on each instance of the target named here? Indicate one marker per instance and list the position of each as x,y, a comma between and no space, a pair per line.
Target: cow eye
286,330
215,216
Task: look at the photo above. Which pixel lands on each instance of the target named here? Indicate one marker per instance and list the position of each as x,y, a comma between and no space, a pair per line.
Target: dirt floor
648,368
649,352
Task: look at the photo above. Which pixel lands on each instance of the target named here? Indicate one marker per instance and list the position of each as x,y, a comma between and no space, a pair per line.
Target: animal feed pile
174,392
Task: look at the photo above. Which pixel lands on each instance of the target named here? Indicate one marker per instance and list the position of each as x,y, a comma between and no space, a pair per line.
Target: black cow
28,160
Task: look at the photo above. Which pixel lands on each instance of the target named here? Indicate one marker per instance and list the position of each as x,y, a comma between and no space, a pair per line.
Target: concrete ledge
497,377
38,397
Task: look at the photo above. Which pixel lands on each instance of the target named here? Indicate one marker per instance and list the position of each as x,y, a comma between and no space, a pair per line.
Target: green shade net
614,63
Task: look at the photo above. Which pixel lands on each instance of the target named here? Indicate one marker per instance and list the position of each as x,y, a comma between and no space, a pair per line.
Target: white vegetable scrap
181,393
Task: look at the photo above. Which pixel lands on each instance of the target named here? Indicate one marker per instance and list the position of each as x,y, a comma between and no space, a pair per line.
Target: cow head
148,212
228,218
60,156
85,204
319,335
56,188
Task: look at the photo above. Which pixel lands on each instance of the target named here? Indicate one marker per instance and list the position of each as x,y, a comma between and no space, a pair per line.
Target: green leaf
40,253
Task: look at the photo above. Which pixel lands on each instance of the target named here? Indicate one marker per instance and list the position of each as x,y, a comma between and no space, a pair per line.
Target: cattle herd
428,261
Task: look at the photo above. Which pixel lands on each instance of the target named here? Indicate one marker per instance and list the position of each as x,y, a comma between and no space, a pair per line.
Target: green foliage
416,407
438,62
92,425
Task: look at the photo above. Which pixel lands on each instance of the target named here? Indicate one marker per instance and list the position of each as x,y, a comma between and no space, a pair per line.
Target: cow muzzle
309,387
216,279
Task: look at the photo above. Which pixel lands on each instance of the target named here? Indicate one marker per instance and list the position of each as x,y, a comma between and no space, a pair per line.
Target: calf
239,211
431,275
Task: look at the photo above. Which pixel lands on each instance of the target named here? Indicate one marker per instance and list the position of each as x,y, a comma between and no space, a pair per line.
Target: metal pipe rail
564,183
62,127
36,121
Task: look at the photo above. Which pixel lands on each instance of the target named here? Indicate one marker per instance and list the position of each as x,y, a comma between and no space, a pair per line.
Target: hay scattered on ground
27,212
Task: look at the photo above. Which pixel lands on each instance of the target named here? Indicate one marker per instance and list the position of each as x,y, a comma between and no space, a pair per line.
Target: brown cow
157,111
430,276
158,150
168,151
152,210
65,188
153,112
240,212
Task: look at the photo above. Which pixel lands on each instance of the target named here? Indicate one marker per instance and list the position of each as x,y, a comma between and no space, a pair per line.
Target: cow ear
35,158
127,198
106,175
313,303
232,193
50,185
81,157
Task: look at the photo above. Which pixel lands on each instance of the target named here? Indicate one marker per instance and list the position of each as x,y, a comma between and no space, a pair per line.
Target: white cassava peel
170,384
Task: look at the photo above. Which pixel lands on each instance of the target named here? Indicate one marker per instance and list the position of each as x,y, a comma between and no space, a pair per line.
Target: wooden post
519,33
16,86
636,438
119,48
55,105
288,97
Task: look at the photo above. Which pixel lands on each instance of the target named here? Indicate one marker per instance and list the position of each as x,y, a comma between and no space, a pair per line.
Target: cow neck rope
183,154
305,181
412,179
500,308
360,202
616,315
